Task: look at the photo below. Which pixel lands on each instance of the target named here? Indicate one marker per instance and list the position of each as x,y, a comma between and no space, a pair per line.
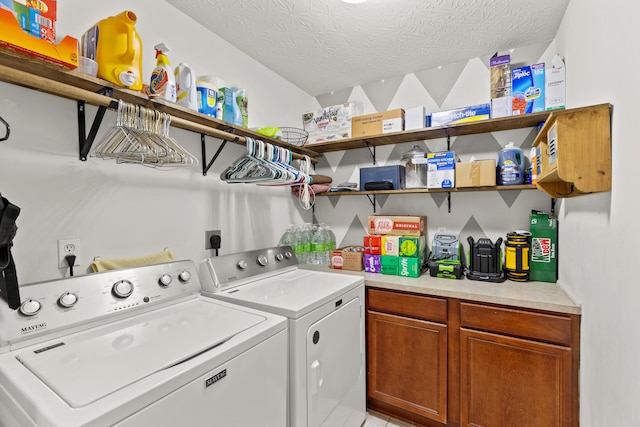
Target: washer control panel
70,302
226,271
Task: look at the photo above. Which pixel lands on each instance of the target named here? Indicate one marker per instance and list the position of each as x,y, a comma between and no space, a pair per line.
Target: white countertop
535,295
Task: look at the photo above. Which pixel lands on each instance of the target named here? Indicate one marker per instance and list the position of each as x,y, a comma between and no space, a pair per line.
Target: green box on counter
543,266
410,267
412,247
390,265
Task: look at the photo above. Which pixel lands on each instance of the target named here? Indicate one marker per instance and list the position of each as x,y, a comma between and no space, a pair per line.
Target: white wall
598,246
130,210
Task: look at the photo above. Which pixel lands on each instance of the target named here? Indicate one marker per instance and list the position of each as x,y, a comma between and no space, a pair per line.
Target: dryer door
335,368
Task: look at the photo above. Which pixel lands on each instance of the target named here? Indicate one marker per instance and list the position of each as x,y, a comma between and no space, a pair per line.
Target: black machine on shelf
485,260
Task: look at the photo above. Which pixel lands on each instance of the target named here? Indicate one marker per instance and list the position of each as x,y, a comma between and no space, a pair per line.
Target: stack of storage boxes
395,245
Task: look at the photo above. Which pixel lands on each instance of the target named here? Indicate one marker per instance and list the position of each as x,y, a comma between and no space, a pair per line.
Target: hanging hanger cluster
141,135
267,164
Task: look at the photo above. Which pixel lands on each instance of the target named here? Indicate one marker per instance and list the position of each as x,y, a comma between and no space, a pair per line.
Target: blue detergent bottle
510,168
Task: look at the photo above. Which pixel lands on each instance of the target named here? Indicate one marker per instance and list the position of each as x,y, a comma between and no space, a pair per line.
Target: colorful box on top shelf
13,37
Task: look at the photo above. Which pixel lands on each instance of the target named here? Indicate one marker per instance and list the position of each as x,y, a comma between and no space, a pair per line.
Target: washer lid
292,294
89,366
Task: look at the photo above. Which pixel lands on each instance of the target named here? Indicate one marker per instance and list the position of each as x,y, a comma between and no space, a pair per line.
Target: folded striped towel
100,264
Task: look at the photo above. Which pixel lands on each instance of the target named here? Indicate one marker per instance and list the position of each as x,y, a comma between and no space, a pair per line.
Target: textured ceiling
327,45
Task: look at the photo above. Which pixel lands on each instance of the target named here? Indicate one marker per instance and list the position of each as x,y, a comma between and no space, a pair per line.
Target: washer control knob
30,307
68,299
279,257
165,280
242,264
288,254
184,276
122,288
262,260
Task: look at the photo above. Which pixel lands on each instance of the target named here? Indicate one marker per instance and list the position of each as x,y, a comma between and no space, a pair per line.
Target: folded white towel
113,264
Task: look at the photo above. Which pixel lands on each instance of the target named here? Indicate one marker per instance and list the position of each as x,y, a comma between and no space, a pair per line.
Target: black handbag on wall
8,278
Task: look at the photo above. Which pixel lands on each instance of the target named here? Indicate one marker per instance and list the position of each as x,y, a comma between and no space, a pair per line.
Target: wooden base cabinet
439,362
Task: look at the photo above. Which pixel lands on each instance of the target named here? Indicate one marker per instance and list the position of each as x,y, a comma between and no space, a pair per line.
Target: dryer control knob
184,276
122,288
165,280
30,307
279,257
68,300
288,254
262,260
242,264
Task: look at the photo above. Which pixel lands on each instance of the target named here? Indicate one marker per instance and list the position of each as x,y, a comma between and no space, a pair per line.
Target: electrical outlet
442,230
207,237
68,247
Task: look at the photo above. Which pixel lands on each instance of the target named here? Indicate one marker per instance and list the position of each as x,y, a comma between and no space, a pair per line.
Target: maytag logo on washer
33,328
214,379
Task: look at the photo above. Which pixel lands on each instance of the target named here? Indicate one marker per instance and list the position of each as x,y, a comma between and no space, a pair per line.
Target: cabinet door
508,381
407,364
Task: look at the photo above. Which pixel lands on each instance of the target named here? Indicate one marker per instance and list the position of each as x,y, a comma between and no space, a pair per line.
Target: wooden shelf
23,70
429,190
483,126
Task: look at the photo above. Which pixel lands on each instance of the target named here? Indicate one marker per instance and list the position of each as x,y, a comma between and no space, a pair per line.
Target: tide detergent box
527,89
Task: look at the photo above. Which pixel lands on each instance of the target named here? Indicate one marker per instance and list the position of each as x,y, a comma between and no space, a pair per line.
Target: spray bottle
163,81
186,92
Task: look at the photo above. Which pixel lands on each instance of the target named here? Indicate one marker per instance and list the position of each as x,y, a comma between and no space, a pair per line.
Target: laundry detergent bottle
186,92
510,168
163,80
117,48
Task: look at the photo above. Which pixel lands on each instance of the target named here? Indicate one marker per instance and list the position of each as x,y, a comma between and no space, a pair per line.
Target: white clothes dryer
326,328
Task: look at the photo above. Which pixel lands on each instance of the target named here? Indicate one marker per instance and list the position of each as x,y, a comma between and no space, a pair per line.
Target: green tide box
543,266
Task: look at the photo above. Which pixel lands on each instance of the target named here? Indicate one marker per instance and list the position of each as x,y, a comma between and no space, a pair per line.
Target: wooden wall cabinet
445,362
575,152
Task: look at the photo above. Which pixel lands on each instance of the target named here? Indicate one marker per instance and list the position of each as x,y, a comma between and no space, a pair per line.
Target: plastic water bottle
320,246
307,232
288,238
298,246
332,237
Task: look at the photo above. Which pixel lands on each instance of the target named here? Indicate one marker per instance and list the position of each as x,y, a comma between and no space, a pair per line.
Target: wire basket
294,136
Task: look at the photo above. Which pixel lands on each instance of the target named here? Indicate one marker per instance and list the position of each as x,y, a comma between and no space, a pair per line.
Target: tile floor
375,419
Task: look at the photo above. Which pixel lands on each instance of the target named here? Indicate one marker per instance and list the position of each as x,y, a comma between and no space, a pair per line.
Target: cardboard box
372,263
555,86
390,265
331,123
393,174
415,118
397,225
543,265
378,123
441,169
527,89
479,173
412,247
500,85
390,245
473,113
348,258
373,244
409,267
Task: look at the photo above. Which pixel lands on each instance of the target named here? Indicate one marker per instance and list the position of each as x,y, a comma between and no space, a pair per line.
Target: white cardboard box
441,169
414,118
556,85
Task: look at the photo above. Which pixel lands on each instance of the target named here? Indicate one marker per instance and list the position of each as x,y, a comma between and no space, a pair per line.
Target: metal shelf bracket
207,166
86,141
373,201
372,151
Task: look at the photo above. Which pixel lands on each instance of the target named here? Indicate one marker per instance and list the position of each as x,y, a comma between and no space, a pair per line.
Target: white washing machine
326,328
139,347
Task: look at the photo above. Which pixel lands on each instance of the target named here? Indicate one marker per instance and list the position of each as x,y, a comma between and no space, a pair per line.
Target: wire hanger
7,129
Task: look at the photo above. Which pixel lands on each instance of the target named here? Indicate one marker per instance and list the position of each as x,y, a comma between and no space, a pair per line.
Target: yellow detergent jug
116,46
